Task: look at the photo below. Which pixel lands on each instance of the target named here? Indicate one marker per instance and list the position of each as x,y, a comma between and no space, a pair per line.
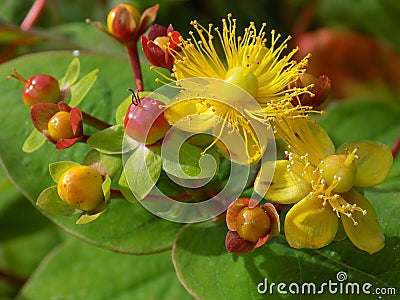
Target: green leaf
105,164
142,170
15,210
109,140
82,87
57,169
79,271
364,120
50,201
188,161
34,141
72,74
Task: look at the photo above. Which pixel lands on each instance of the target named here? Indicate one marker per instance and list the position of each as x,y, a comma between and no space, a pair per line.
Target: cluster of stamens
319,187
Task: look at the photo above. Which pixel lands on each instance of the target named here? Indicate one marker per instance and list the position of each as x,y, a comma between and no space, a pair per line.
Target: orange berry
81,187
59,126
253,223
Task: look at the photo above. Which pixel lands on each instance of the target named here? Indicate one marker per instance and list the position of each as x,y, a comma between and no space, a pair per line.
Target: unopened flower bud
122,22
158,45
320,91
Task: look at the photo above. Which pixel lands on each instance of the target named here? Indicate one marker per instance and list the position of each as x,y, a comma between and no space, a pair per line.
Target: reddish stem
92,121
134,58
305,18
396,148
33,14
116,194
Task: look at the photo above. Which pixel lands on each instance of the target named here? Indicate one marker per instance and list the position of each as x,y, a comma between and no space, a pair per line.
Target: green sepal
33,142
58,168
125,189
142,170
50,201
71,75
189,161
82,87
104,163
106,186
87,218
109,140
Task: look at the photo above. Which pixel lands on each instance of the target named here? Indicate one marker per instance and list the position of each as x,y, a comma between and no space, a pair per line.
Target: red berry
145,121
38,88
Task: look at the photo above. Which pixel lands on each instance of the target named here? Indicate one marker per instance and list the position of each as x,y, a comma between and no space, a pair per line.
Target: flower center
244,78
340,169
162,42
324,190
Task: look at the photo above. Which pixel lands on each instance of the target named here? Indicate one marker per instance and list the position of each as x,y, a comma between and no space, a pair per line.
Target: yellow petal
285,187
308,224
374,163
322,137
246,144
190,115
367,235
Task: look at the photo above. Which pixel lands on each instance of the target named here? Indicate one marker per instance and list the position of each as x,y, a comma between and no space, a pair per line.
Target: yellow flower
246,62
320,182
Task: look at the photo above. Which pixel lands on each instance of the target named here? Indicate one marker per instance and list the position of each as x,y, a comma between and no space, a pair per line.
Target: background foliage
357,46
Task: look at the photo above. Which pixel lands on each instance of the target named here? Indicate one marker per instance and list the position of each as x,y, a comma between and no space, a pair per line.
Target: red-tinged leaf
63,106
76,121
66,143
273,217
41,114
349,59
235,244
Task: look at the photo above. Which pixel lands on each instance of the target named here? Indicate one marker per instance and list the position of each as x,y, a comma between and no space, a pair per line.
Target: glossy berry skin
252,223
145,121
40,88
59,126
81,187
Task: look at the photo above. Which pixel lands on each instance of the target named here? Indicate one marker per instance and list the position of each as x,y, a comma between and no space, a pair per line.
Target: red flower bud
321,89
158,45
59,123
122,22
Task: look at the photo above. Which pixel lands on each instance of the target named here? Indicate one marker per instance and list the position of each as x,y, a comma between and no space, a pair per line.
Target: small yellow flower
319,181
246,62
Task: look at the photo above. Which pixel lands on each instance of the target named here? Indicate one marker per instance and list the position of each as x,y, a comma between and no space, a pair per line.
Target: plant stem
33,14
134,58
12,279
92,121
116,194
396,148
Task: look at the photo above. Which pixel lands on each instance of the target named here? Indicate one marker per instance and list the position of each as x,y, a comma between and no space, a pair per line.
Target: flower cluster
256,93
